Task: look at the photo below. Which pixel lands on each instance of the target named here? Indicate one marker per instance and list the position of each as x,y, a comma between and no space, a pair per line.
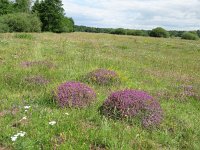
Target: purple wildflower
36,80
133,103
27,64
74,94
103,76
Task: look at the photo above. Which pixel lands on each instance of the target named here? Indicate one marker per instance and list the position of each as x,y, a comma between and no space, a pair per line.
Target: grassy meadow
32,65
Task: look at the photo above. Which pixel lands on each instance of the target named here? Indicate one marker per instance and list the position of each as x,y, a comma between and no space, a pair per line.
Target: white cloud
140,14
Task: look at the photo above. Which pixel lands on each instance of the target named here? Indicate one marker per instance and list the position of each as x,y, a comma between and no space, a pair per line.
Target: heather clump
39,80
103,77
131,104
74,94
28,64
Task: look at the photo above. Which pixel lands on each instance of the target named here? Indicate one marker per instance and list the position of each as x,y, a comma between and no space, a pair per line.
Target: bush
24,36
131,104
103,77
4,28
190,36
21,22
74,94
159,32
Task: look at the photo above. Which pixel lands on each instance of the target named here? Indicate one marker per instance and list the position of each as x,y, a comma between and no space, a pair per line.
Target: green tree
23,5
51,15
190,36
6,7
159,32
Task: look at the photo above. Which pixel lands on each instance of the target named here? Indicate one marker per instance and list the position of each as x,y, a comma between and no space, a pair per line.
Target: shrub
159,32
74,94
133,103
4,28
103,77
24,36
21,22
190,36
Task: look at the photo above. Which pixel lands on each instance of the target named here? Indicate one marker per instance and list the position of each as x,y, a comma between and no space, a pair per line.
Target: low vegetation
46,104
190,36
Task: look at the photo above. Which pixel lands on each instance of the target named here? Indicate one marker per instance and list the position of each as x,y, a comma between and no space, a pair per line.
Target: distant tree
159,32
198,32
190,36
6,7
51,14
119,31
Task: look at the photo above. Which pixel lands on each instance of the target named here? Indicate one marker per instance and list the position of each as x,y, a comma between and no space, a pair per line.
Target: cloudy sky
135,14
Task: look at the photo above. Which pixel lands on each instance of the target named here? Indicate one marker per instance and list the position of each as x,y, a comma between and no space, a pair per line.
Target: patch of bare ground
97,147
12,111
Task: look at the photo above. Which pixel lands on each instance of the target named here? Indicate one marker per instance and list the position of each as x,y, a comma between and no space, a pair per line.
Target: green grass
158,66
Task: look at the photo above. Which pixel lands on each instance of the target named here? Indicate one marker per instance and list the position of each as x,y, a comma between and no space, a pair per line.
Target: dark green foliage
6,7
52,16
190,36
159,32
20,22
22,6
174,33
92,29
198,33
119,31
137,32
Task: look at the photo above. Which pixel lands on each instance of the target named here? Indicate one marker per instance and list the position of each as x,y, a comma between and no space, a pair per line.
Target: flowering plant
132,103
103,76
74,94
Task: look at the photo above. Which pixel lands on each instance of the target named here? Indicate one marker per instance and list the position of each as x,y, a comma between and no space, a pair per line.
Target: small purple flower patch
36,80
74,94
27,64
103,77
133,103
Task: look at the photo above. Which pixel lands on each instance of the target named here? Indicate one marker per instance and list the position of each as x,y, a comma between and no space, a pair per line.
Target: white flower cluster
21,134
26,108
52,123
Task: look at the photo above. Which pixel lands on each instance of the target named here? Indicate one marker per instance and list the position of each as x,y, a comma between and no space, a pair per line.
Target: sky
135,14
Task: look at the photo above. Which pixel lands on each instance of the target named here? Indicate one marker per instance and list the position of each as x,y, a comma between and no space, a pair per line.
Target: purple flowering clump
133,103
36,80
74,94
103,76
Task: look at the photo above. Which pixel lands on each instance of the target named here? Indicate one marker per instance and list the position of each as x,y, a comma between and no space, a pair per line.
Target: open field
32,65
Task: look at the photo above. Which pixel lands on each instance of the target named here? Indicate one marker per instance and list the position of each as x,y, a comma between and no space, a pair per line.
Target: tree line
41,15
49,16
157,32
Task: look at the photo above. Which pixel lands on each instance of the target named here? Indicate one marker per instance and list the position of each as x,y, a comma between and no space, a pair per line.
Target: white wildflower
13,138
21,134
27,107
24,118
52,123
67,114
